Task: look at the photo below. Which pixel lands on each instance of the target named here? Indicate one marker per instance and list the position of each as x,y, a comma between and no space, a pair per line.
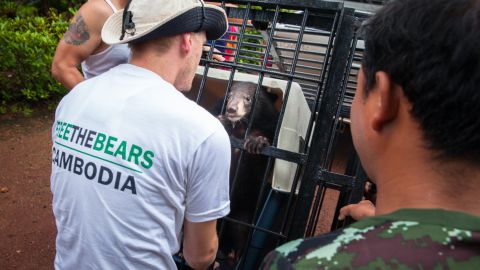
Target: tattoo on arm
77,33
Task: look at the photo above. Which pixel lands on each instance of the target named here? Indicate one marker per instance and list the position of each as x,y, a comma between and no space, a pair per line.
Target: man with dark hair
416,129
136,164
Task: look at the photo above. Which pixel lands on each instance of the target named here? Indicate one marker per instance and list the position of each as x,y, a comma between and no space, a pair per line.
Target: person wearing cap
136,166
416,130
82,45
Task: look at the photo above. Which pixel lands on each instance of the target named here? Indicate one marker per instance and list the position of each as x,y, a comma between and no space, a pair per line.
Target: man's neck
432,184
168,69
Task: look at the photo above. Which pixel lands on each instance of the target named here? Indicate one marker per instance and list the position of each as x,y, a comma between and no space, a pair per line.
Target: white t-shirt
132,157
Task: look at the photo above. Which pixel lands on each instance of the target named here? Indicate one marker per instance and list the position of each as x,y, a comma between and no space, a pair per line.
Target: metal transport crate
307,54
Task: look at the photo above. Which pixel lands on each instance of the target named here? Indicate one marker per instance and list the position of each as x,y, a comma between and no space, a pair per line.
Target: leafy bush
28,45
37,7
252,52
8,9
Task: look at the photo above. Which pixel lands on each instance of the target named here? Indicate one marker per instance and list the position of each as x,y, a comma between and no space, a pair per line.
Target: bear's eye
248,99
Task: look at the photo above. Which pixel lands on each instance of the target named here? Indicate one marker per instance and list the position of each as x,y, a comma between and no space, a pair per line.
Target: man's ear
186,42
387,101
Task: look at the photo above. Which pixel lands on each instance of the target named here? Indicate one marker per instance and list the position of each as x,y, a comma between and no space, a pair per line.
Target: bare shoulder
98,7
95,11
87,22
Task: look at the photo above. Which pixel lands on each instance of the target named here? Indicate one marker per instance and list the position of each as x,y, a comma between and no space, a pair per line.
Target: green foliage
251,54
12,9
44,6
271,9
28,45
8,9
30,8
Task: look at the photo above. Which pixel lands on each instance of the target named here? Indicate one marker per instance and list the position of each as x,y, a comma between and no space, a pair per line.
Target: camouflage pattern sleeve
275,261
291,252
428,239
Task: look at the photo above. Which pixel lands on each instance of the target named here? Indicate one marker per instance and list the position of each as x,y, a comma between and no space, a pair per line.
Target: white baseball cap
149,19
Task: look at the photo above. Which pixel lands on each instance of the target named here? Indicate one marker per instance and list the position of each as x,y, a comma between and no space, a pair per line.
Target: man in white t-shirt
134,161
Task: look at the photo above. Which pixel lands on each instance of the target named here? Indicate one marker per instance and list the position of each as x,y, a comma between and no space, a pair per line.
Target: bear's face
239,102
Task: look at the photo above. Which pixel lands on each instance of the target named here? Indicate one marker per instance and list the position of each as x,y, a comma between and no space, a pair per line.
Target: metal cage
306,52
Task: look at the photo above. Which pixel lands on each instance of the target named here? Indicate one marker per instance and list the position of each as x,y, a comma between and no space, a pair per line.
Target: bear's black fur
237,115
245,190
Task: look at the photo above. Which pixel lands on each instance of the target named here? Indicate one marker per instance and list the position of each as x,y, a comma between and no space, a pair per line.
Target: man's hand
217,56
357,211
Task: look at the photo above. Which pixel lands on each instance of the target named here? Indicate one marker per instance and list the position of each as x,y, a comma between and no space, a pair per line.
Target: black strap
127,23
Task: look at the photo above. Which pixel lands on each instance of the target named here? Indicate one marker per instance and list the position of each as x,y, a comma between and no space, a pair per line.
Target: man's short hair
431,48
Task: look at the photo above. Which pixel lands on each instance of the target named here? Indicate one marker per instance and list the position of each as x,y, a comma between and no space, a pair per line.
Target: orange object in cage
232,45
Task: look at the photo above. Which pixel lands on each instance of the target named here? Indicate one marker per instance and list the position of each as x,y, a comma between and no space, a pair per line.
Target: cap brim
215,25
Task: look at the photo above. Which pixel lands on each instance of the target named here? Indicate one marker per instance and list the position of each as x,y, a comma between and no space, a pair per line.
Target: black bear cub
237,115
245,189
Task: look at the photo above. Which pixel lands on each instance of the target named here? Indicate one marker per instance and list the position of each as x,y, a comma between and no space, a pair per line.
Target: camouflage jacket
405,239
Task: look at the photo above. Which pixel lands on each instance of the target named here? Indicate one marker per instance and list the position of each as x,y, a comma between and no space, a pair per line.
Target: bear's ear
271,95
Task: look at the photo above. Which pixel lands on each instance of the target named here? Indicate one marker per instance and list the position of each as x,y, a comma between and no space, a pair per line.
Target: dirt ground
27,226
